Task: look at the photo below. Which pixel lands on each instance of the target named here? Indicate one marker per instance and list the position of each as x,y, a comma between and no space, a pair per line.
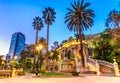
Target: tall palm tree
78,19
113,19
49,18
37,24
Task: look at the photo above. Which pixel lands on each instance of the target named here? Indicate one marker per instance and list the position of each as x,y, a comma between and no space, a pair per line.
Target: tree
41,42
55,45
104,49
1,59
113,19
78,19
37,24
31,50
116,51
28,52
24,54
54,52
49,18
54,55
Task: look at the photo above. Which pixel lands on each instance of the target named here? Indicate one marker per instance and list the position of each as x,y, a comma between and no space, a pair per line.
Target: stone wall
105,69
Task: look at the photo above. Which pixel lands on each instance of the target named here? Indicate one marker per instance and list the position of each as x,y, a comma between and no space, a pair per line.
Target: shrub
74,73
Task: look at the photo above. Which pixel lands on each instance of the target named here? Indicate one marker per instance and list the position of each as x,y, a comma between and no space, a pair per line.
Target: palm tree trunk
47,47
81,48
36,40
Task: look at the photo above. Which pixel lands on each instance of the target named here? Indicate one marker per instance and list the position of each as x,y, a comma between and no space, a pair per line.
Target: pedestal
116,68
14,72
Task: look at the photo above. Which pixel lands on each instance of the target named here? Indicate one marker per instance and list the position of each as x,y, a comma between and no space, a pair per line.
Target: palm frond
49,15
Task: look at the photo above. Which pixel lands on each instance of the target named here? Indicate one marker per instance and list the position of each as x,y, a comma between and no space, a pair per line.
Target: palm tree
78,19
113,19
49,18
37,24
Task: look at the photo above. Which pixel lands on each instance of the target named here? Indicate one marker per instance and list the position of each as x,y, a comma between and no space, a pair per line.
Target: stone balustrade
92,61
100,64
108,64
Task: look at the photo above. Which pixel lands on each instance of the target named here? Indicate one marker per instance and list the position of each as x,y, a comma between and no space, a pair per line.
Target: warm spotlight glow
39,47
15,57
3,62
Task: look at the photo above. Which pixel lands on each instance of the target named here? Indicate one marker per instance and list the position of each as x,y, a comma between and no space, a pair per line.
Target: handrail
101,62
108,64
92,61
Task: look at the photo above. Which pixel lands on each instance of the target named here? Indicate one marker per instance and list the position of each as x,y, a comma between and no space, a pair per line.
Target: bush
74,73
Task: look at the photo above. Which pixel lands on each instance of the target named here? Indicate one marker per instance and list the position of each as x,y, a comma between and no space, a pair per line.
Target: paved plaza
85,79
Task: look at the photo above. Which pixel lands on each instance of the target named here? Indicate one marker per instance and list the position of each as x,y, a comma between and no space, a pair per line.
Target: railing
7,73
92,61
108,64
100,62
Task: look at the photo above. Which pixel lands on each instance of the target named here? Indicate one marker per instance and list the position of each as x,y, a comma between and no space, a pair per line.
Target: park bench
6,73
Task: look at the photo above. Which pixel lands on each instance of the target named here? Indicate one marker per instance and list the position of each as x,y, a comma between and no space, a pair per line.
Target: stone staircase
104,67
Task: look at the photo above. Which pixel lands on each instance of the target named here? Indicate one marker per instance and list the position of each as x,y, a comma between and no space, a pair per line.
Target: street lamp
38,48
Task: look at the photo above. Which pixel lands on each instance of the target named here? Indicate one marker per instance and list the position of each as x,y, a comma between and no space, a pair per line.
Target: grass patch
54,74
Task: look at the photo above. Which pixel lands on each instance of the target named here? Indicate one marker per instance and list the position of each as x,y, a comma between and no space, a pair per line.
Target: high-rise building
16,46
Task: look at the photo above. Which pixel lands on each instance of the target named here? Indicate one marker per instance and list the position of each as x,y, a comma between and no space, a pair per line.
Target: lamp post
38,48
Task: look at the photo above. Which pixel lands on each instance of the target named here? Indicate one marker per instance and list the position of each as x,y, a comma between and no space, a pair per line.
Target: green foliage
74,73
24,55
28,65
55,55
15,64
54,74
49,15
42,42
103,50
107,46
42,70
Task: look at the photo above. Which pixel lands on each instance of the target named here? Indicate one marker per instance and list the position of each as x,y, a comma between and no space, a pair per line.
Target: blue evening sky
17,16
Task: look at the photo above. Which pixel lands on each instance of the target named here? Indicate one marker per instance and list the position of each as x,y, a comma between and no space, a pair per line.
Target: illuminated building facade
69,55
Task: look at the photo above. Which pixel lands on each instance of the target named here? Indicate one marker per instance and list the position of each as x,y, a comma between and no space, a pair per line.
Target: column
97,68
116,68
